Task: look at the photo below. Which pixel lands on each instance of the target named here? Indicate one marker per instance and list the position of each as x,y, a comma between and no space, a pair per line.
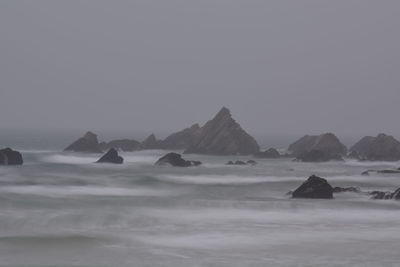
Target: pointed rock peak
224,112
90,136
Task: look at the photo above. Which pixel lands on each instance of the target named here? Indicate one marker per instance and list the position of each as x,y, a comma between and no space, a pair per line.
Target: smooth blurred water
61,209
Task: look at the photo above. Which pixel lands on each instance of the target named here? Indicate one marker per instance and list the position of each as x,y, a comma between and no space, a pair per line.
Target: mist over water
61,209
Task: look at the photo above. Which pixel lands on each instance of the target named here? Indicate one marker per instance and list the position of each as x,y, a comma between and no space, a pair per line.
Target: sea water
62,209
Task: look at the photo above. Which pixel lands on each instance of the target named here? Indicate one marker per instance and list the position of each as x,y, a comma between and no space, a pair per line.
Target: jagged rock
251,162
380,148
176,160
381,195
10,157
319,148
88,144
122,144
314,187
238,162
271,153
346,189
182,139
111,157
151,142
223,136
396,194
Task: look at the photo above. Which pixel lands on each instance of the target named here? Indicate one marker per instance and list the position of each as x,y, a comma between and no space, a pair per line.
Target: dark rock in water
314,187
10,157
380,148
251,162
88,144
230,163
176,160
223,136
111,157
389,171
238,162
319,148
381,195
122,144
396,194
151,142
365,173
271,153
346,189
182,139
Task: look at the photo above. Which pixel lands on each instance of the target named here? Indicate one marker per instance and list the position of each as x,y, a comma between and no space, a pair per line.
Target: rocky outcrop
271,153
182,139
176,160
380,148
87,144
346,189
314,187
151,142
122,144
318,148
223,136
10,157
240,162
111,157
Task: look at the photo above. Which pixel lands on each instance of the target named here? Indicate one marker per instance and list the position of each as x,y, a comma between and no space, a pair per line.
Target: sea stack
176,160
10,157
111,157
182,139
223,136
318,148
86,144
314,187
380,148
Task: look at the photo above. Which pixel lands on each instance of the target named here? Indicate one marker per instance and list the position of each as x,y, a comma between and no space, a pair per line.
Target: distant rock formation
380,148
240,162
182,139
271,153
111,157
314,187
386,195
223,136
87,144
10,157
346,189
121,144
151,142
176,160
318,148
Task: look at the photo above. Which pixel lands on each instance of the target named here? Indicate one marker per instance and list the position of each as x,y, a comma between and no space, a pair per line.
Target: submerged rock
318,148
176,160
10,157
346,189
111,157
314,187
223,136
271,153
251,162
87,144
380,148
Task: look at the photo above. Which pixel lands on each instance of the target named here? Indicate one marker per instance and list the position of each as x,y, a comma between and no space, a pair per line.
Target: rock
251,162
111,157
176,160
381,195
396,194
346,189
314,187
121,144
238,162
271,153
182,139
87,144
10,157
313,148
230,163
380,148
365,173
151,142
223,136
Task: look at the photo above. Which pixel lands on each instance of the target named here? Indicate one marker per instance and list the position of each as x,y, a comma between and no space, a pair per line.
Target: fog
281,66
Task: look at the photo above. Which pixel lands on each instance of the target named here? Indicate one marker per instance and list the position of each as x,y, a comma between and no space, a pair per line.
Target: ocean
61,209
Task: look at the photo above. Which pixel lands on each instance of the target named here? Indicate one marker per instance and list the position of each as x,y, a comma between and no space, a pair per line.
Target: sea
62,209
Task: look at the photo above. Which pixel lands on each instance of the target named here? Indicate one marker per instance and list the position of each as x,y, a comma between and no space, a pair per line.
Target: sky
284,66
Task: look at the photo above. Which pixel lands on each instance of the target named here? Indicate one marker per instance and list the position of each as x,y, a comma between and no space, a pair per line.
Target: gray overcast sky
297,66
